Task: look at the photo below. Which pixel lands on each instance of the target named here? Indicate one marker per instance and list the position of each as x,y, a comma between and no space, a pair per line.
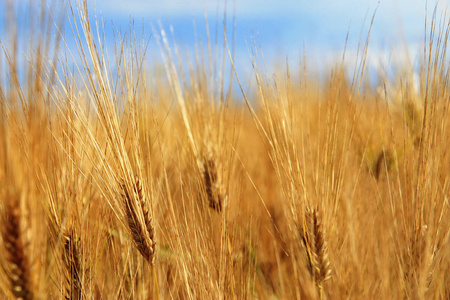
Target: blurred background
313,32
315,29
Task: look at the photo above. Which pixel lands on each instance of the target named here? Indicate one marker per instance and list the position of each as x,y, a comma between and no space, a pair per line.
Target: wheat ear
312,234
322,263
71,258
139,220
16,250
211,185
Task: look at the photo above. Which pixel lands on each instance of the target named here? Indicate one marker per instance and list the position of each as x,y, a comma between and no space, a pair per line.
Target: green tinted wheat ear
17,265
139,221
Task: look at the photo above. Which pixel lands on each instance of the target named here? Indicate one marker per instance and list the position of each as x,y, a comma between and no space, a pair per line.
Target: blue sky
316,29
293,28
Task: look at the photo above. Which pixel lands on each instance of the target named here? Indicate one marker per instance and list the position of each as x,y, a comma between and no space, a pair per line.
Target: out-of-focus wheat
15,242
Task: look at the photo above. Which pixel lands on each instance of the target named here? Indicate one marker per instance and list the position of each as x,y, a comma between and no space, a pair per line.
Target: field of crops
122,182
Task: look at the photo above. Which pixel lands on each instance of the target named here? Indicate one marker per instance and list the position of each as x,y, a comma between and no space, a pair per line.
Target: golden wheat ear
17,265
312,235
139,221
71,257
212,184
322,263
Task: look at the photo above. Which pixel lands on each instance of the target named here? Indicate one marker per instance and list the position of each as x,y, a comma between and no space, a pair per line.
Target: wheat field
121,182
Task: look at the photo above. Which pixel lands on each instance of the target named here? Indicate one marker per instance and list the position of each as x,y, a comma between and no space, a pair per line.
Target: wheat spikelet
313,239
322,264
141,229
212,185
16,250
147,218
72,262
384,160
